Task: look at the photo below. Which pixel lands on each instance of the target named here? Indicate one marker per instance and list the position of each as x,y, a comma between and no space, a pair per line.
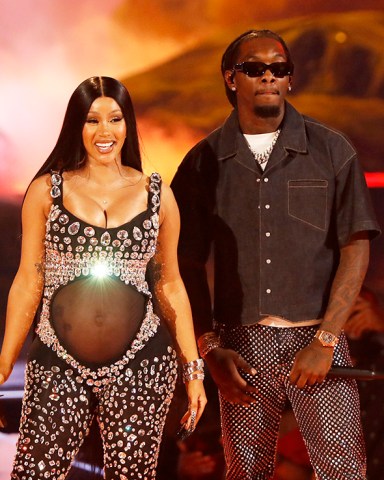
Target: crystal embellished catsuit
100,349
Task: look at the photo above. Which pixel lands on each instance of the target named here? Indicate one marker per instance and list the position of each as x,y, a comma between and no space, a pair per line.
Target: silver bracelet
207,342
198,375
193,370
194,365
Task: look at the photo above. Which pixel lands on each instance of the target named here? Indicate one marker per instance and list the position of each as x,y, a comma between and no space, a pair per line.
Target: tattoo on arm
39,267
348,280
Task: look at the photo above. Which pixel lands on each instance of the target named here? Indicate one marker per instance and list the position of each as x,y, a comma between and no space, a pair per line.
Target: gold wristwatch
327,339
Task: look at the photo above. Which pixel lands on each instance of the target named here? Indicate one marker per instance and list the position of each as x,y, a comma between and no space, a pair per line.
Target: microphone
356,373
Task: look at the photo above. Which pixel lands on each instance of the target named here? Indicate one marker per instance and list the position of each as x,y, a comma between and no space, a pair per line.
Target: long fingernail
253,371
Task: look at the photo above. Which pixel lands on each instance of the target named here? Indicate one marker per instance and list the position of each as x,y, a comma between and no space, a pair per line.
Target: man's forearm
354,258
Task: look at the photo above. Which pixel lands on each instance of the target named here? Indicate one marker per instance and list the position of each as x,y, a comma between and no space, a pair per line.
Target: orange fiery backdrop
47,47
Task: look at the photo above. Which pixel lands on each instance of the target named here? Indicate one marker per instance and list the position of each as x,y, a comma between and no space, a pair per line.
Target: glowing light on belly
100,270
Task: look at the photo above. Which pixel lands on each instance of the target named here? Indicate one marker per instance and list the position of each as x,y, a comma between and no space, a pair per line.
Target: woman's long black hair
69,154
69,151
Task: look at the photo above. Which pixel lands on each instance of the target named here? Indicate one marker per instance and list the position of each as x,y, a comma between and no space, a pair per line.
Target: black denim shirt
276,234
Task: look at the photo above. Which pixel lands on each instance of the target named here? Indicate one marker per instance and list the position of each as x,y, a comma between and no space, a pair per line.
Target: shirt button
258,180
267,234
268,260
267,206
268,290
266,180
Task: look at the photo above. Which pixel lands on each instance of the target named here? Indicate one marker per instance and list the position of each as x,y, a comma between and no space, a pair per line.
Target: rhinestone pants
59,406
328,414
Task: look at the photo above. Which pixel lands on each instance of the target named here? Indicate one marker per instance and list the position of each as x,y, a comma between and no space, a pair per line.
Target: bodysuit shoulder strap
154,192
56,186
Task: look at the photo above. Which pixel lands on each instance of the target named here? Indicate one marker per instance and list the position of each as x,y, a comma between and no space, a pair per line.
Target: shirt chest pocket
307,202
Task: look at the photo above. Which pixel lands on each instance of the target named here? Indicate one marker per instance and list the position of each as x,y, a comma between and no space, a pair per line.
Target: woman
92,222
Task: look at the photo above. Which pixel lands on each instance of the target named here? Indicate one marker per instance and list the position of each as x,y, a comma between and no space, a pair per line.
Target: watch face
327,337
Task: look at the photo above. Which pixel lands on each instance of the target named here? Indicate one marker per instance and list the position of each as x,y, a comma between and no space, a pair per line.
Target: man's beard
267,111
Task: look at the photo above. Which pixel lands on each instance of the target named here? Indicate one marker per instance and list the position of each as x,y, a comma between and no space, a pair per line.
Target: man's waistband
279,322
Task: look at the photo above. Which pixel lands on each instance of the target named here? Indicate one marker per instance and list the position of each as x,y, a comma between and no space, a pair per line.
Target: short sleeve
354,209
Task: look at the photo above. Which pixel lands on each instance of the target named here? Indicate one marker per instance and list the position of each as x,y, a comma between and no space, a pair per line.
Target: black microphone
356,373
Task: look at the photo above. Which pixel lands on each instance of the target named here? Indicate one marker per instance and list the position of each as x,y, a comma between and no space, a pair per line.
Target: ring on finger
193,420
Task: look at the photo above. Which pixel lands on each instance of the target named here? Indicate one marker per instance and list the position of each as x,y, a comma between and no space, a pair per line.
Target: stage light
375,179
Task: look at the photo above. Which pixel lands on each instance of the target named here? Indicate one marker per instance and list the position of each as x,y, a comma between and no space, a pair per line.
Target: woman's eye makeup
93,120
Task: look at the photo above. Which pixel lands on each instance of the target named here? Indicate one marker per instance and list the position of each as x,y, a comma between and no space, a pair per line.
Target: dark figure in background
200,456
365,333
92,225
282,202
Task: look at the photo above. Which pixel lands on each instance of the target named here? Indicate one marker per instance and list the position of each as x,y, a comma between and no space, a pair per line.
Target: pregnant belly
96,319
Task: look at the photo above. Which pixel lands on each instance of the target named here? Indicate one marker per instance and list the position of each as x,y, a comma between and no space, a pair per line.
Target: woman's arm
170,292
171,296
25,293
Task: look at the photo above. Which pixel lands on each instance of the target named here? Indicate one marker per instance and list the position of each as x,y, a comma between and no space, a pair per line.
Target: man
283,203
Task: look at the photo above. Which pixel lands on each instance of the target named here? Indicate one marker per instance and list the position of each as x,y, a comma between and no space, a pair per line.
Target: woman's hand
196,404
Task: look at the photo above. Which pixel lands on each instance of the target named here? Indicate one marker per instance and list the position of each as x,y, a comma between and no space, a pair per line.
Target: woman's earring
289,88
233,89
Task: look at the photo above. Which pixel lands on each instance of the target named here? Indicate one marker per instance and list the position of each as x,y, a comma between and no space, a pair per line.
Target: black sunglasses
258,69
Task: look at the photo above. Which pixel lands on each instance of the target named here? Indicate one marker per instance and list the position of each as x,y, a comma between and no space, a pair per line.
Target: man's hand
224,365
311,365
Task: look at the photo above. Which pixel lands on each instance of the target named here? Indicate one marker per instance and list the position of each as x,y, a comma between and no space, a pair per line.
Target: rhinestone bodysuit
101,351
76,250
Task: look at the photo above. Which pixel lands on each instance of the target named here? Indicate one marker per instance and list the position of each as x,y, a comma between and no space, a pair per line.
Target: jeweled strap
154,191
56,182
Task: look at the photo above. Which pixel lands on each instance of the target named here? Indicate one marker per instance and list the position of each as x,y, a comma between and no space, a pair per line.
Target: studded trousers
59,406
328,414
